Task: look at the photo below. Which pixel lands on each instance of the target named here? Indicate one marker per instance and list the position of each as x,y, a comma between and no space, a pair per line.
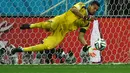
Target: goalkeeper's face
93,8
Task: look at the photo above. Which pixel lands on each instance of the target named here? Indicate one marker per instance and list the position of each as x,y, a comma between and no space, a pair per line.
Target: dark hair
95,2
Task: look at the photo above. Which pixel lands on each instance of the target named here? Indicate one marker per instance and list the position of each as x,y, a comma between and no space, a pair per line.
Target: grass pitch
122,68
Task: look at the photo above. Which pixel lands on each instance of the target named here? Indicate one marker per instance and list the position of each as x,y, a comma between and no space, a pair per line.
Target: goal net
113,19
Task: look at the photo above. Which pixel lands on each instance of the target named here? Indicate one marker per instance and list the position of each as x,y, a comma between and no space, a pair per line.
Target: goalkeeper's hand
25,26
90,51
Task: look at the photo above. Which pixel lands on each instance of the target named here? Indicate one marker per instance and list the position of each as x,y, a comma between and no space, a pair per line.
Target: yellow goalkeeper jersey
68,21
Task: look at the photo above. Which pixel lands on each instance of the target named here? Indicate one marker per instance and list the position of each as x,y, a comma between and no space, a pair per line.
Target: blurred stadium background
113,17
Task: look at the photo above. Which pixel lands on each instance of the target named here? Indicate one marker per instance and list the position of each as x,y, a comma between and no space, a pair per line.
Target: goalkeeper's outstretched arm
76,12
86,46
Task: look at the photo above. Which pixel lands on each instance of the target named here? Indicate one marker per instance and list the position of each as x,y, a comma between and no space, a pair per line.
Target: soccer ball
100,44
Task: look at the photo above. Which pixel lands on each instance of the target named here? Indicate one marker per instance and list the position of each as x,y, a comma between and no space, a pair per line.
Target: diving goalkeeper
76,17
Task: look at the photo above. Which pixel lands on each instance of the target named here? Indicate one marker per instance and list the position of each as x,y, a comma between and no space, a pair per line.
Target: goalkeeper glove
90,50
25,26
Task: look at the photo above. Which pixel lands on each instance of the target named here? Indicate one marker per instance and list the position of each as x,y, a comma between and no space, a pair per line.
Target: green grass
122,68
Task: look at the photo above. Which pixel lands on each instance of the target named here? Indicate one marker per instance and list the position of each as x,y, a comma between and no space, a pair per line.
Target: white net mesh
113,19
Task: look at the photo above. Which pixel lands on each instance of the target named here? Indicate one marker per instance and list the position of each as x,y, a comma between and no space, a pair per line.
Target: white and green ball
100,44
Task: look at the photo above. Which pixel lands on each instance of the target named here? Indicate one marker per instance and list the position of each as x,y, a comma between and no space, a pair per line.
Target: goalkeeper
76,17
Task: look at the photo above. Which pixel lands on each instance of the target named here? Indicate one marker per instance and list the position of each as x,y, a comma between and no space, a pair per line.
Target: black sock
16,50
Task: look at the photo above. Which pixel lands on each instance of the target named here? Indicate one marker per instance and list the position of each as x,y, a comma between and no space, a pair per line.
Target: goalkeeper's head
93,7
